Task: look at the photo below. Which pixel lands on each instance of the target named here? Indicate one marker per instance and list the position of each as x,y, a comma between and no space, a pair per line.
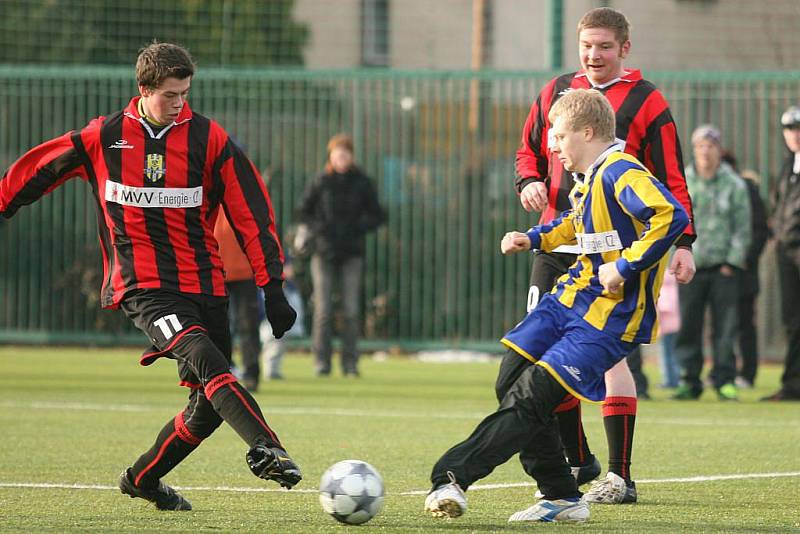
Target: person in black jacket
760,233
748,338
786,227
339,207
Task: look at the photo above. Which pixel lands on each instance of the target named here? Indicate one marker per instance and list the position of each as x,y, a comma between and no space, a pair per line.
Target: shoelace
603,487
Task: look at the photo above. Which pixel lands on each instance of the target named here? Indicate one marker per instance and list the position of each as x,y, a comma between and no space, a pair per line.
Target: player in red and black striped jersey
645,128
159,174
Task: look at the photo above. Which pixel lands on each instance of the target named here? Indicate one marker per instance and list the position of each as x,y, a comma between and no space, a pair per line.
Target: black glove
280,315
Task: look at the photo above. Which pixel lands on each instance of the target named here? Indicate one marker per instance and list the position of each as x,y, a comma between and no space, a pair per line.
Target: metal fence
218,32
439,145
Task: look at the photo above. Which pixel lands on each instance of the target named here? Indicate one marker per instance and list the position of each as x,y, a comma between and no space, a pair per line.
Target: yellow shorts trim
549,369
518,350
564,384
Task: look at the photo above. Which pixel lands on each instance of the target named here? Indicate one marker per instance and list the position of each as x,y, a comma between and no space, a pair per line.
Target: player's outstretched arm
39,171
514,242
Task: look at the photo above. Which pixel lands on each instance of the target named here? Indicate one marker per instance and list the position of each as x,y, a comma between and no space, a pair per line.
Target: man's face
569,145
601,54
792,138
164,103
707,156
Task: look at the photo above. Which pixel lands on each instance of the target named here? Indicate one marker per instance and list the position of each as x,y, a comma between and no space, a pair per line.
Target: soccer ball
351,491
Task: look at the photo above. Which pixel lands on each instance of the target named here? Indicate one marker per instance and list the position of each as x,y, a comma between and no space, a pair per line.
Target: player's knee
204,421
499,392
501,388
199,420
531,398
619,376
202,355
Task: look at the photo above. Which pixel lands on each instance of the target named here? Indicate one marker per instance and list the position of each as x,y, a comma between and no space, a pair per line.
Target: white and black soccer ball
351,491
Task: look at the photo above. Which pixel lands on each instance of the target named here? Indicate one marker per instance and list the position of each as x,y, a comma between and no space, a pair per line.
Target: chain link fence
99,32
439,145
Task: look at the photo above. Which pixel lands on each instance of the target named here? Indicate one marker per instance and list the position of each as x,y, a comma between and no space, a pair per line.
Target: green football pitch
72,419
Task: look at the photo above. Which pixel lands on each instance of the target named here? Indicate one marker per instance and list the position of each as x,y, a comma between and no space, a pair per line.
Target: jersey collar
132,111
617,146
629,76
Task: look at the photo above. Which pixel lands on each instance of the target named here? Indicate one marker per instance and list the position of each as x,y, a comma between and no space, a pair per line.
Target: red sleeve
249,210
664,158
39,171
531,162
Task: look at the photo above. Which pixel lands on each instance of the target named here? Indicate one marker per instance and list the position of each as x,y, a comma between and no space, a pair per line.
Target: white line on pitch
709,478
478,487
346,412
54,485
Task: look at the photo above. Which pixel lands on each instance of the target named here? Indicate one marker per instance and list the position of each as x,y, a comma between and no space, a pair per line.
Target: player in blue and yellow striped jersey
624,221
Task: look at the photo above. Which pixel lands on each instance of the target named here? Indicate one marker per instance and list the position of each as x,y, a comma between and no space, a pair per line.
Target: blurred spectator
244,300
786,226
338,207
669,321
748,335
722,219
273,349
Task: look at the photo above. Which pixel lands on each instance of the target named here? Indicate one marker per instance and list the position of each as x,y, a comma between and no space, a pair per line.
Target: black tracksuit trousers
524,423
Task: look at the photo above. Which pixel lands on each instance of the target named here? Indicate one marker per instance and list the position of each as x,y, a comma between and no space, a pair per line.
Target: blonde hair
340,140
582,108
611,19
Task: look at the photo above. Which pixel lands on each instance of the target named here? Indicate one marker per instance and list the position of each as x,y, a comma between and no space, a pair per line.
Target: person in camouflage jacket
722,221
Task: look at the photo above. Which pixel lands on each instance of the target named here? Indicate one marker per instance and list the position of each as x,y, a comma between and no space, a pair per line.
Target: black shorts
167,317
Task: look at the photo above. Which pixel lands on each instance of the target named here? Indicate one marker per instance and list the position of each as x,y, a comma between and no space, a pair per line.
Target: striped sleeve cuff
535,237
624,268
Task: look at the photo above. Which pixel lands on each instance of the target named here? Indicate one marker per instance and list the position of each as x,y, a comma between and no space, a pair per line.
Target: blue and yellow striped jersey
620,213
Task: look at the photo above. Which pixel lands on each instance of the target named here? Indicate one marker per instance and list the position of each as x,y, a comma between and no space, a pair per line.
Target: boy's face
601,54
569,145
165,103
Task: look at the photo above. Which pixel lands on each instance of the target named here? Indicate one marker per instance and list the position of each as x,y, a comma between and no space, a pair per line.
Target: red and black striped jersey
157,192
644,124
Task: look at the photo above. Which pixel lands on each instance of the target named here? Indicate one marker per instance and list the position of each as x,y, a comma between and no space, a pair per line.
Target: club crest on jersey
154,169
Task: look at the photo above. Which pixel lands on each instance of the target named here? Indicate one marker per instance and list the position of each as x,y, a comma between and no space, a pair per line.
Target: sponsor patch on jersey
154,168
154,197
599,242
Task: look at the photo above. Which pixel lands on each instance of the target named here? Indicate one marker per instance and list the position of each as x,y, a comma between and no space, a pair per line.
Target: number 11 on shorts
169,325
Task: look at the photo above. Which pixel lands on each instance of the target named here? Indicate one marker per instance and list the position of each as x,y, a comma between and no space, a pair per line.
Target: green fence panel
439,145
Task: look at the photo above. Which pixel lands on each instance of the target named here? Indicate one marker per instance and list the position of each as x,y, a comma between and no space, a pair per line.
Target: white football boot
574,510
613,489
447,500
